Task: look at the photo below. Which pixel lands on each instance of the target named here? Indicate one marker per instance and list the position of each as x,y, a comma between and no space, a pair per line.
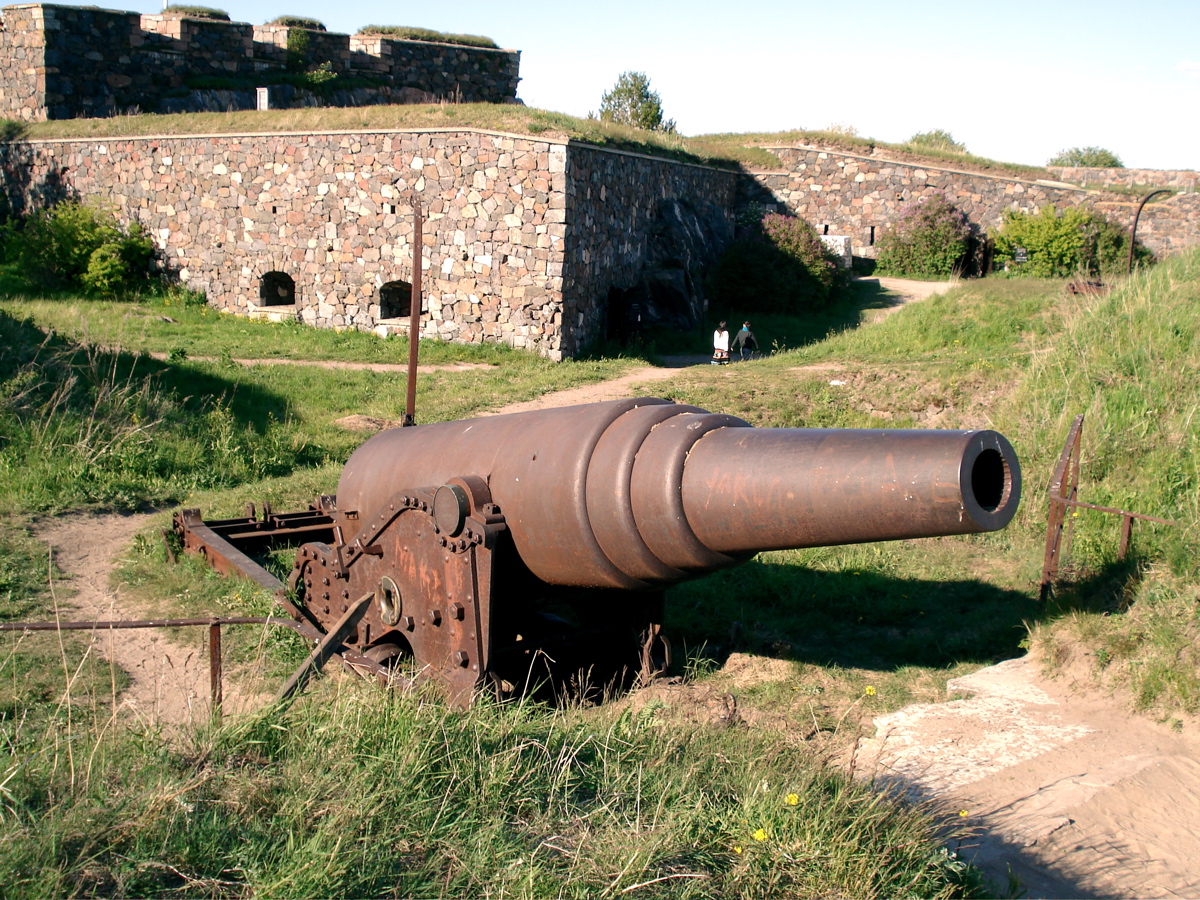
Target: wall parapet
1179,179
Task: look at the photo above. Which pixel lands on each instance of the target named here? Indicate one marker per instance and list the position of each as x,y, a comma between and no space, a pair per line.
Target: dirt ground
169,679
1068,795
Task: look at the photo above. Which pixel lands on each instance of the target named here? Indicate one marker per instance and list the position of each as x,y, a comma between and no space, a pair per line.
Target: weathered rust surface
495,549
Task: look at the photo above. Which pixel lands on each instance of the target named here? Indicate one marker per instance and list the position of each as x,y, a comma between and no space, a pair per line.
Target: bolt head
457,611
461,659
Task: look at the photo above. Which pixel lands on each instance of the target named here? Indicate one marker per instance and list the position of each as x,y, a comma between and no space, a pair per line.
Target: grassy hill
722,150
355,792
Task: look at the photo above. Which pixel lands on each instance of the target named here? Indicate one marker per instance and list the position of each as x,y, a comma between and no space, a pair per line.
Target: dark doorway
277,289
395,300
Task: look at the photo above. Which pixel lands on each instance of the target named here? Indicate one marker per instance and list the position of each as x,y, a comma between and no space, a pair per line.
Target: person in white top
720,355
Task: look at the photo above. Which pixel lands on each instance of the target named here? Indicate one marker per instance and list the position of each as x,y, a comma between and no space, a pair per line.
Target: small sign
262,98
1020,254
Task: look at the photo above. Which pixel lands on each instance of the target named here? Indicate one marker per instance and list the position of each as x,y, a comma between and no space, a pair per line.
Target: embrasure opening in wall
277,289
395,300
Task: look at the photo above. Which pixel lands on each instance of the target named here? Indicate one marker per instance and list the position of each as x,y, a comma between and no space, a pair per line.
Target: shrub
777,265
405,33
1061,244
1087,157
928,240
299,22
197,12
81,247
938,139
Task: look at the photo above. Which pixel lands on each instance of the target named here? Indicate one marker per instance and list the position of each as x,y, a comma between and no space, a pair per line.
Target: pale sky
1014,81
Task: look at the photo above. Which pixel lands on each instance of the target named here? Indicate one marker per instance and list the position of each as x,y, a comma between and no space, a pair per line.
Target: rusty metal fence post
1064,490
213,623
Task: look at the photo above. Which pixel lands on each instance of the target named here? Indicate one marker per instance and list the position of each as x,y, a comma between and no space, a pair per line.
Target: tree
938,139
1087,157
631,102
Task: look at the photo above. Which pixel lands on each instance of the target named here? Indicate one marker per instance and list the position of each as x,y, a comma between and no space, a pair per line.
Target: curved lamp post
1133,233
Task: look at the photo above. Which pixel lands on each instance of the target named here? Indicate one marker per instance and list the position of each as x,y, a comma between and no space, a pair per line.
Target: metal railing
1064,490
214,624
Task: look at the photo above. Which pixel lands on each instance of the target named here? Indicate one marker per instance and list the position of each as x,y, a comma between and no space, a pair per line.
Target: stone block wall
206,47
616,204
22,62
860,196
330,213
61,62
524,239
85,66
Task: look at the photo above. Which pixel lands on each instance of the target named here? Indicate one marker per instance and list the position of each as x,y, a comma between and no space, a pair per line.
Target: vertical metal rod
414,316
1126,535
214,668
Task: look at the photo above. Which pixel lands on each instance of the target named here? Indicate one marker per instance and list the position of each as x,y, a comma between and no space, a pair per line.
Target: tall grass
359,792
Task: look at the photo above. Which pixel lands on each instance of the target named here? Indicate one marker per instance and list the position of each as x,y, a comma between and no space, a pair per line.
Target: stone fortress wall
544,244
859,196
60,62
318,227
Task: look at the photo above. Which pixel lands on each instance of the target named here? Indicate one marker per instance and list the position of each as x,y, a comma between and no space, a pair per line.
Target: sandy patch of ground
1066,789
170,679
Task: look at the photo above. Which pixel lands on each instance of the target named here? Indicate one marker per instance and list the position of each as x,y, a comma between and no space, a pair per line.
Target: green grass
901,152
734,151
529,801
355,792
407,33
510,118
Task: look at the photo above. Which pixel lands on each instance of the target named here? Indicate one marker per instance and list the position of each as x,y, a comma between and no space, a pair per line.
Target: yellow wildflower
791,799
963,813
737,848
870,690
760,834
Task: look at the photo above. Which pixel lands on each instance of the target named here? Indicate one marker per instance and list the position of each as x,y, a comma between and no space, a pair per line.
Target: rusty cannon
504,549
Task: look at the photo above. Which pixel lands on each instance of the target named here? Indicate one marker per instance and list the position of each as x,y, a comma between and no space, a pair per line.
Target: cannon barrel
637,494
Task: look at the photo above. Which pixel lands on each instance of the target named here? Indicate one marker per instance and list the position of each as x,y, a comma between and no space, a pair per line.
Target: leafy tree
1087,157
938,139
928,240
631,102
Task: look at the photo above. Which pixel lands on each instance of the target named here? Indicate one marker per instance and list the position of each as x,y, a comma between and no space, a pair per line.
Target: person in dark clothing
745,342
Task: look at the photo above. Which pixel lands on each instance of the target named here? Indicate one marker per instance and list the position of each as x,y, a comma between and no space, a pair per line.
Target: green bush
405,33
81,247
938,139
928,240
777,265
197,12
1058,245
299,22
1087,157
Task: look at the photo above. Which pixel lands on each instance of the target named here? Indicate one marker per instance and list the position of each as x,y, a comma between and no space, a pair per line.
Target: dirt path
1067,790
169,679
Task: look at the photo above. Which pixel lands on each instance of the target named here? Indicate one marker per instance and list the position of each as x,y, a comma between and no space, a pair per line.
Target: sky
1017,81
